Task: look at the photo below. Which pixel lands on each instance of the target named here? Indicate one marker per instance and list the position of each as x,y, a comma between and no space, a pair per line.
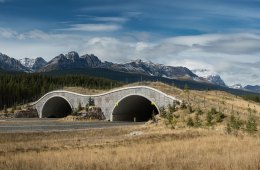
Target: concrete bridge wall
107,101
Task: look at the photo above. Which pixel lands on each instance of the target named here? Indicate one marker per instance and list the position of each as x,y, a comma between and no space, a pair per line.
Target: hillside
212,98
223,102
133,77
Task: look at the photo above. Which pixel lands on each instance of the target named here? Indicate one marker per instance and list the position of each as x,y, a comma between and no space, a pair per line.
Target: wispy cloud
220,53
7,33
93,27
111,19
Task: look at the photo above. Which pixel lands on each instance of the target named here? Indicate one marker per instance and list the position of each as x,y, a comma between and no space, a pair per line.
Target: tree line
253,97
20,88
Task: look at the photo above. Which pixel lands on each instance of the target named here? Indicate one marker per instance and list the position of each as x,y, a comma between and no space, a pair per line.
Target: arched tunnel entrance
134,107
56,107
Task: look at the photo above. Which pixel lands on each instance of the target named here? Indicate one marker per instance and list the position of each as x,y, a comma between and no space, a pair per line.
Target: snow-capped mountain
10,64
27,62
216,79
33,64
210,76
73,61
152,69
237,86
253,88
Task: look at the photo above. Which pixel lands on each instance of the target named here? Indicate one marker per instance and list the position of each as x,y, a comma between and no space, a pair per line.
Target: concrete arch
134,107
106,101
56,107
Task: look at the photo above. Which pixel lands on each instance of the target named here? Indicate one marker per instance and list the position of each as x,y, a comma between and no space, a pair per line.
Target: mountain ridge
72,60
10,64
33,64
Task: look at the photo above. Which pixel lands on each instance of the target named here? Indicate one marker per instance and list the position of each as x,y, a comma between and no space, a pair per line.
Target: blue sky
220,35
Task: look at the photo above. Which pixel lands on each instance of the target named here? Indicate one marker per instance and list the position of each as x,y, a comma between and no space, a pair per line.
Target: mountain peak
237,86
72,56
210,76
33,64
11,64
91,60
255,88
137,61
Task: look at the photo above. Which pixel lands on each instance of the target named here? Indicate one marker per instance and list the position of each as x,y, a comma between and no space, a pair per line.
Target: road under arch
56,107
134,107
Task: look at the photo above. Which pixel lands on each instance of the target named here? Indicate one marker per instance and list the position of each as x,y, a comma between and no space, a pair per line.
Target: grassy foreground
150,146
139,147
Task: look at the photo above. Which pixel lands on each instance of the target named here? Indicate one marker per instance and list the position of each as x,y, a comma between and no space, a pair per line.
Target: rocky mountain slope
73,61
33,64
253,88
11,64
210,76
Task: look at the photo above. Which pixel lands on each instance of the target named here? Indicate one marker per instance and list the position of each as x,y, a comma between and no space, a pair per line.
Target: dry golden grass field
154,145
149,147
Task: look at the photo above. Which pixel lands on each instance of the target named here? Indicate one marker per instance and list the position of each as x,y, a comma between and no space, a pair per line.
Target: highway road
33,124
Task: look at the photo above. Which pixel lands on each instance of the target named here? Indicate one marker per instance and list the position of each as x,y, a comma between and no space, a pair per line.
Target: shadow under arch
134,107
56,107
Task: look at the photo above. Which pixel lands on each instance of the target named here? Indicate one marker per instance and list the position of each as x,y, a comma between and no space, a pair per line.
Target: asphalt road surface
32,124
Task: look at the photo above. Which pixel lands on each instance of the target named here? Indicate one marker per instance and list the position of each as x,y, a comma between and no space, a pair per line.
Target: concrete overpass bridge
118,105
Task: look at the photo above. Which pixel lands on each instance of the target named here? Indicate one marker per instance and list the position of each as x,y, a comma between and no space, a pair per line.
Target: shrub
190,110
199,111
171,120
220,117
228,128
162,112
251,125
213,111
176,116
190,122
197,122
209,118
235,122
183,105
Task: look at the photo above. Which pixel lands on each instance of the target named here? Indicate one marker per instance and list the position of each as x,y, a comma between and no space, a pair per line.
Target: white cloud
221,53
110,19
7,33
94,27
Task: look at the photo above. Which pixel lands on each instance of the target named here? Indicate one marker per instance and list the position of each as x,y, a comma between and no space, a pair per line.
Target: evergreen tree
21,88
197,122
251,125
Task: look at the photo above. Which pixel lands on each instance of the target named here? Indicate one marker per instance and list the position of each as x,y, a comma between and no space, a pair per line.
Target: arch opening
134,108
56,107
